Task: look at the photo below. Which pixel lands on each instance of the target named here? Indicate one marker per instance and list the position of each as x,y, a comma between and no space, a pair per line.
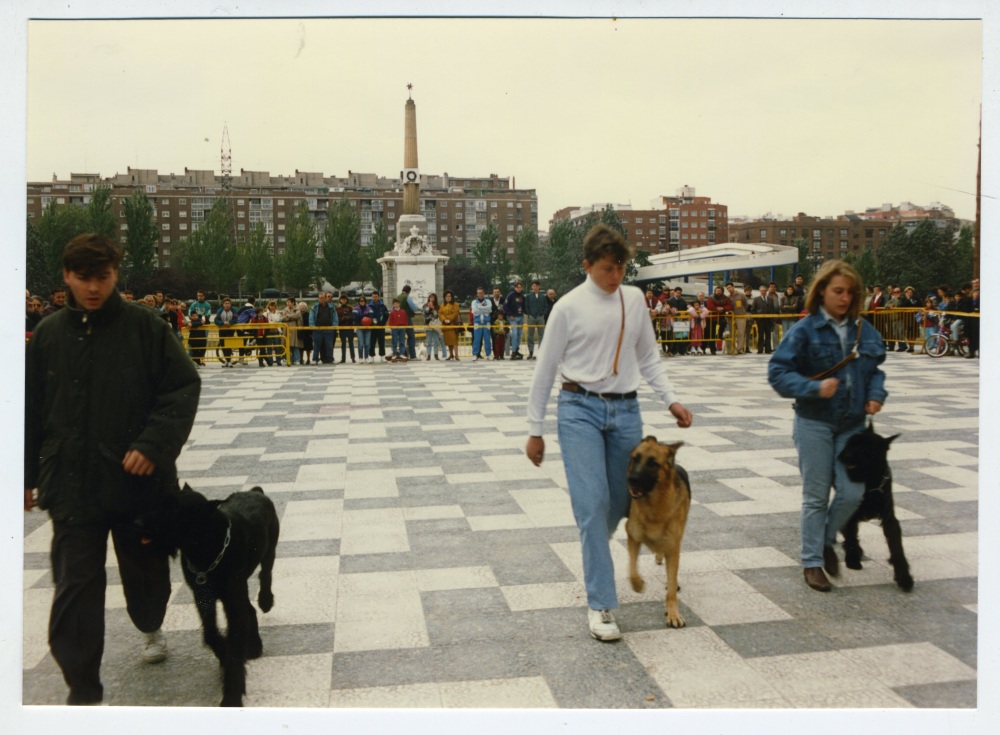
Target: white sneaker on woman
602,625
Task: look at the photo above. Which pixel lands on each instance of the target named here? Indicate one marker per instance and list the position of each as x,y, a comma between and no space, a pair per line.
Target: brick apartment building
457,208
674,223
835,237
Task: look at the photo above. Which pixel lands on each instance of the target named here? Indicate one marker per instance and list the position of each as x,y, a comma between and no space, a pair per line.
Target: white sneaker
602,625
155,649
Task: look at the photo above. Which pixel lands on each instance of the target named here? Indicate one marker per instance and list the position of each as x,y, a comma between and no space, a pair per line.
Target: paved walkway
424,562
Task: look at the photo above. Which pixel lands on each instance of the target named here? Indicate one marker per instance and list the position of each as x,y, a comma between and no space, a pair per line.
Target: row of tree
218,258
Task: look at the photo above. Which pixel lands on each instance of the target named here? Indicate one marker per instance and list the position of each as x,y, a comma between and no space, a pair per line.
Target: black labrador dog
221,543
866,459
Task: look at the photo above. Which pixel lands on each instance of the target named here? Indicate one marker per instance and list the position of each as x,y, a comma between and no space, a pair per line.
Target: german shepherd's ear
675,445
649,438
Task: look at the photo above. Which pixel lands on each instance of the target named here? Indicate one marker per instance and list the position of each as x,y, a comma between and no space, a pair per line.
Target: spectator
244,316
199,313
306,334
791,307
291,317
894,325
800,288
499,332
260,337
225,320
432,319
678,305
33,313
764,305
398,321
719,306
451,319
409,307
110,399
380,313
273,336
655,309
324,316
972,327
513,311
738,323
364,319
927,319
57,300
482,308
536,310
699,317
910,301
345,316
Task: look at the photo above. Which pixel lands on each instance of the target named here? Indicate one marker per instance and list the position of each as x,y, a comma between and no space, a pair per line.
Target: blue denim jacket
812,346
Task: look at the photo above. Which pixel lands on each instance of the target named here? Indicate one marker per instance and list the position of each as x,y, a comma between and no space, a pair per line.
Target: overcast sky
763,115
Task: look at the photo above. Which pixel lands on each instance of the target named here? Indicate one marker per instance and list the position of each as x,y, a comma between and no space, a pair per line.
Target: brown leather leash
853,356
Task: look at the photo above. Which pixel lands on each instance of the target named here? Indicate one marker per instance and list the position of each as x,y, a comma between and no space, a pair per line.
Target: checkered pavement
424,562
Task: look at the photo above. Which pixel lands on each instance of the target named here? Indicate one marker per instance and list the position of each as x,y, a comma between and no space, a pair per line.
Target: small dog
221,543
661,499
866,459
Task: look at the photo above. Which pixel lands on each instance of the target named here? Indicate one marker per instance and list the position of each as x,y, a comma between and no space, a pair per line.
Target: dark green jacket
98,384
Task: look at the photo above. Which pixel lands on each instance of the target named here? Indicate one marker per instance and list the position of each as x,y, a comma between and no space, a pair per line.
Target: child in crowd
263,349
698,313
500,332
928,321
398,323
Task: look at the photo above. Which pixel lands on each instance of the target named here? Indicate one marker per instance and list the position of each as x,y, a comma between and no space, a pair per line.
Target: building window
183,226
763,234
241,214
164,213
165,226
182,201
165,251
817,234
183,213
241,227
165,239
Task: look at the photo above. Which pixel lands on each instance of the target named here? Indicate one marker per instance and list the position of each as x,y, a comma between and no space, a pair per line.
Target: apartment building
457,208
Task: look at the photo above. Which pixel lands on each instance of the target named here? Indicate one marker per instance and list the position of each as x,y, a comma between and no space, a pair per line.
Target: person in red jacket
719,306
398,322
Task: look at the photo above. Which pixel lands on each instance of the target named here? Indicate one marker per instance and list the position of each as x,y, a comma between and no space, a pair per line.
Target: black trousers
76,623
764,327
378,338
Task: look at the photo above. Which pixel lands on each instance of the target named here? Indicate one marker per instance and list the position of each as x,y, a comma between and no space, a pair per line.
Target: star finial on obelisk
409,90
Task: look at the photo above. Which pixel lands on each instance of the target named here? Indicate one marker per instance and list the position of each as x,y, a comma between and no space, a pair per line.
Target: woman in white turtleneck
598,338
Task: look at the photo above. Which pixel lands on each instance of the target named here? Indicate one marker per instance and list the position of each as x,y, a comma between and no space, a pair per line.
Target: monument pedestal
413,262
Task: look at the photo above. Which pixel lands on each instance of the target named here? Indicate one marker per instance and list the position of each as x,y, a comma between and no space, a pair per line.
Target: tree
55,228
256,261
100,216
140,238
463,278
210,251
964,258
503,269
611,218
341,244
563,259
484,252
526,254
806,268
640,260
296,267
381,243
922,258
37,277
866,267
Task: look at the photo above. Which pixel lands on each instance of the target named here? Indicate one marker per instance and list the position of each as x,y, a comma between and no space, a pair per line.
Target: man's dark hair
373,293
535,283
772,283
406,288
603,242
90,254
730,283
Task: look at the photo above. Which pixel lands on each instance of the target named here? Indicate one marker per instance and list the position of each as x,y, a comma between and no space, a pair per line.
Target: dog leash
202,577
852,356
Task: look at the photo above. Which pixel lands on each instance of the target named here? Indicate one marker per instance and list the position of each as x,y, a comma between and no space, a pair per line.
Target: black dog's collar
881,486
202,577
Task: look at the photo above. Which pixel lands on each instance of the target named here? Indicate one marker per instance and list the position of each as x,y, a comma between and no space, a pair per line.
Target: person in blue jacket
833,394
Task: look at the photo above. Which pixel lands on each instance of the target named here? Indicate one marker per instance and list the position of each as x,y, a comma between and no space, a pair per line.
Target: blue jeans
435,344
481,335
596,438
323,345
818,445
364,343
399,342
515,323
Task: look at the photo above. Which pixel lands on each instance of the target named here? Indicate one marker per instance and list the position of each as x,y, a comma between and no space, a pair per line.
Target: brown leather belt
577,388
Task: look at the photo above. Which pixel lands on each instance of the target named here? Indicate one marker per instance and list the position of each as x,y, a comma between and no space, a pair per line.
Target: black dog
866,458
221,543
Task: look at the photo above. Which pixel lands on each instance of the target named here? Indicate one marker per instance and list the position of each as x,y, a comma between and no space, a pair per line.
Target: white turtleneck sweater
581,335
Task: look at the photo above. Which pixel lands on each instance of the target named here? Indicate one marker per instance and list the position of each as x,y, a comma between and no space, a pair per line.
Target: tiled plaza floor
424,562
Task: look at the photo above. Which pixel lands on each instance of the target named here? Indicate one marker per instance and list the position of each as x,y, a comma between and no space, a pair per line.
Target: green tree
484,252
563,258
100,215
503,268
296,267
806,268
341,244
463,278
922,258
141,237
37,277
56,227
256,261
866,266
963,258
612,219
211,252
379,244
639,260
526,254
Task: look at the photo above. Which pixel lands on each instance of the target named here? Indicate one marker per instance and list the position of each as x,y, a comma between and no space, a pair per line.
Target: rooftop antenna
227,161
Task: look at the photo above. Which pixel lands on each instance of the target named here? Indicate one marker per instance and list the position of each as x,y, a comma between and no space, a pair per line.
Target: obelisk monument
413,261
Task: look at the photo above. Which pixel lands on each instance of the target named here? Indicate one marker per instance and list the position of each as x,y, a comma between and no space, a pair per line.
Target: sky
764,115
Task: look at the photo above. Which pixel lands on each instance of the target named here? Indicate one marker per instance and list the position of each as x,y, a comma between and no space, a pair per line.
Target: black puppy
866,459
221,543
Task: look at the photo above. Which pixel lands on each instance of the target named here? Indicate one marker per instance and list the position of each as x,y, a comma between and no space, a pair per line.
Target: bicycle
944,343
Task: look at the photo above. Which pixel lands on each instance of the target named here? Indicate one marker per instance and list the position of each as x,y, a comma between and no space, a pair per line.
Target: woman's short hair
603,242
825,274
448,292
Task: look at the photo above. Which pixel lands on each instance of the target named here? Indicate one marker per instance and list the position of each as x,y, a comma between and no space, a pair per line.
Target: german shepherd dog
865,457
661,498
221,542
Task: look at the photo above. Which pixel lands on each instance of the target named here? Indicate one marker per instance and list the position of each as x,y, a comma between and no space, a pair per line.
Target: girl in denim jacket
832,397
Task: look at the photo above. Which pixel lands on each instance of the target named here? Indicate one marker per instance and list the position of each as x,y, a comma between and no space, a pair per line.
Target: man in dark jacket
110,398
